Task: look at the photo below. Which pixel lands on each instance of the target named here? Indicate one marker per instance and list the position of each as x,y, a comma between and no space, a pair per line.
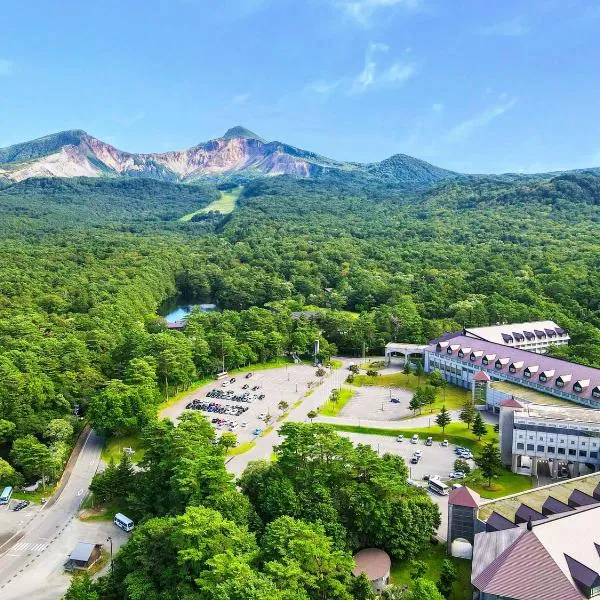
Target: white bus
6,495
438,487
123,522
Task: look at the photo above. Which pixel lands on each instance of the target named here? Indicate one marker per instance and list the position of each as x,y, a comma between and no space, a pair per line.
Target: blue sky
468,85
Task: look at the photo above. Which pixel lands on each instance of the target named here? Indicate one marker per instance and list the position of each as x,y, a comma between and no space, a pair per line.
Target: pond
178,309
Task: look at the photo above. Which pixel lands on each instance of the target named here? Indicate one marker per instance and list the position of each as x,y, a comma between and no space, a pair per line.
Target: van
414,439
123,522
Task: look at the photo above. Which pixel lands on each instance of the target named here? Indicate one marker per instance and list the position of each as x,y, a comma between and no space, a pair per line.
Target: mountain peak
241,132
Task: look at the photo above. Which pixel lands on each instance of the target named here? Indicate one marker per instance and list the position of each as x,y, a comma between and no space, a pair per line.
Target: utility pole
112,566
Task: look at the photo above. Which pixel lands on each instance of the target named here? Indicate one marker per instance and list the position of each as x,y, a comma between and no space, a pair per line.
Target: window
561,450
551,449
583,453
540,448
530,447
593,455
572,452
520,446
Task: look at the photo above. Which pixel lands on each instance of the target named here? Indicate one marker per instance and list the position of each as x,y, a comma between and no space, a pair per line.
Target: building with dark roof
83,556
459,358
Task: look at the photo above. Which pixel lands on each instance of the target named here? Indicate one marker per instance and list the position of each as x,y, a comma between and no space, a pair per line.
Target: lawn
331,409
456,433
453,397
241,449
92,511
36,496
505,484
113,448
433,556
225,204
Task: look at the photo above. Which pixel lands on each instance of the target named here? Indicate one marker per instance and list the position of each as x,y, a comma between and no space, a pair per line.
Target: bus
438,487
6,495
123,522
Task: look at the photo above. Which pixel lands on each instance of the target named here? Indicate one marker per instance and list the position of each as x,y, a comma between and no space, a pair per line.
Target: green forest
85,264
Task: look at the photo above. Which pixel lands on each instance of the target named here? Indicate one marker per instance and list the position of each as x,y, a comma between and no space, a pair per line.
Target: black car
245,386
21,505
248,375
232,380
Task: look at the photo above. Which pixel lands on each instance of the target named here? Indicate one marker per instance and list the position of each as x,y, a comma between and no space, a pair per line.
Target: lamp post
112,566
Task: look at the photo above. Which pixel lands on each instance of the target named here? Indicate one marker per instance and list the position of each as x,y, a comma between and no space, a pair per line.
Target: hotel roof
558,413
517,332
537,364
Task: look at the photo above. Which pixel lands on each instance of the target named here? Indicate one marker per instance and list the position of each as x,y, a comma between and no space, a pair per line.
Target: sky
479,87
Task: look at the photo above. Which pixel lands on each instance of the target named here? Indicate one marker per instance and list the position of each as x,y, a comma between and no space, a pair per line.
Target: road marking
80,492
28,547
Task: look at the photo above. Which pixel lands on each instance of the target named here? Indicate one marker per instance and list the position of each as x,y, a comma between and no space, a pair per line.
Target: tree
59,430
479,427
424,589
415,403
418,568
436,378
82,588
354,369
419,372
283,406
448,576
7,429
320,372
490,461
467,413
8,476
460,464
443,418
407,370
227,440
312,414
362,589
34,458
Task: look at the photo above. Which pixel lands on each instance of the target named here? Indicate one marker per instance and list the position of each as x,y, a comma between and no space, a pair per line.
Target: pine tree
467,413
490,461
415,403
443,418
479,428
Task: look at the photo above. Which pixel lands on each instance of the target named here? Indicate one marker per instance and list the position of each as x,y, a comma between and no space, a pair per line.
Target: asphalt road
29,561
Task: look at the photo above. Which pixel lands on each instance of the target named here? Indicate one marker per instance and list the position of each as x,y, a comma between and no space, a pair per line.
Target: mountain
239,152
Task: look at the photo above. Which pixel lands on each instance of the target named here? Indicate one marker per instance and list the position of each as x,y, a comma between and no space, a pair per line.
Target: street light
112,566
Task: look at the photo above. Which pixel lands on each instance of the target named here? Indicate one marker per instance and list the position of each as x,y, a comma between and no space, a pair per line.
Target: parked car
426,477
21,505
414,439
417,453
257,431
395,400
455,486
445,444
429,441
400,438
225,384
459,449
456,475
466,454
232,380
244,423
245,386
248,375
415,459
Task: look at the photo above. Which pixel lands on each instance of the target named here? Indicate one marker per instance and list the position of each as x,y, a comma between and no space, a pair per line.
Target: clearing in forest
224,204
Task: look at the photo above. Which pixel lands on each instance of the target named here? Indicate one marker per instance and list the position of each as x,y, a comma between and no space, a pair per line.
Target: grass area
225,204
331,409
433,556
453,397
505,484
241,449
113,448
267,431
297,403
92,511
335,364
36,496
456,433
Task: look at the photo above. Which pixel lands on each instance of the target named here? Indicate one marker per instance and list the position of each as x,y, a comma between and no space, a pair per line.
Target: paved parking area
373,403
283,383
11,521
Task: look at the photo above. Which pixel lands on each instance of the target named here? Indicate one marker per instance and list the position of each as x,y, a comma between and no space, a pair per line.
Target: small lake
178,309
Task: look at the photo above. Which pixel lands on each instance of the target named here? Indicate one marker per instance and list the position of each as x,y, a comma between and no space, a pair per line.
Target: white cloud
362,11
6,67
466,128
512,28
324,88
240,98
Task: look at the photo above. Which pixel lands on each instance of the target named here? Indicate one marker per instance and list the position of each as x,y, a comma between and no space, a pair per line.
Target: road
28,562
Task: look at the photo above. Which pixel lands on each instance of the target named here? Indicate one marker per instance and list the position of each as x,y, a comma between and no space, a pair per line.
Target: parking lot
11,521
241,410
374,403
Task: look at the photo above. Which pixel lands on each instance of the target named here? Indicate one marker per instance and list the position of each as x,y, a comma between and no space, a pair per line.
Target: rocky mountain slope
239,152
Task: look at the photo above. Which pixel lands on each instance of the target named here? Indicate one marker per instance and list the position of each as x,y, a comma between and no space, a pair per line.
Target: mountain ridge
239,152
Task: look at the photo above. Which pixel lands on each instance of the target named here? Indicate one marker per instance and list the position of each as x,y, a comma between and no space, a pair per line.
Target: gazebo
375,564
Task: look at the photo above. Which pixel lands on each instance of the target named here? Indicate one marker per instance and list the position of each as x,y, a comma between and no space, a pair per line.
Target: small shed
83,556
375,564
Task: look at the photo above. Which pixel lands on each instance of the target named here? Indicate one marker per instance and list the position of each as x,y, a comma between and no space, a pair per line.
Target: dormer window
539,334
550,332
596,392
529,335
519,337
477,354
488,358
561,380
441,346
545,375
581,385
560,331
463,352
501,363
516,366
508,339
452,348
531,370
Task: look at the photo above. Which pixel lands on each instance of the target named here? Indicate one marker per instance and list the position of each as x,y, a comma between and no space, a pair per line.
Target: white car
400,438
445,444
417,453
466,455
414,439
225,384
456,475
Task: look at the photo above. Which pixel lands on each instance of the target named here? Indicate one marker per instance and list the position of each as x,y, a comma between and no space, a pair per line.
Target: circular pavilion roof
373,562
